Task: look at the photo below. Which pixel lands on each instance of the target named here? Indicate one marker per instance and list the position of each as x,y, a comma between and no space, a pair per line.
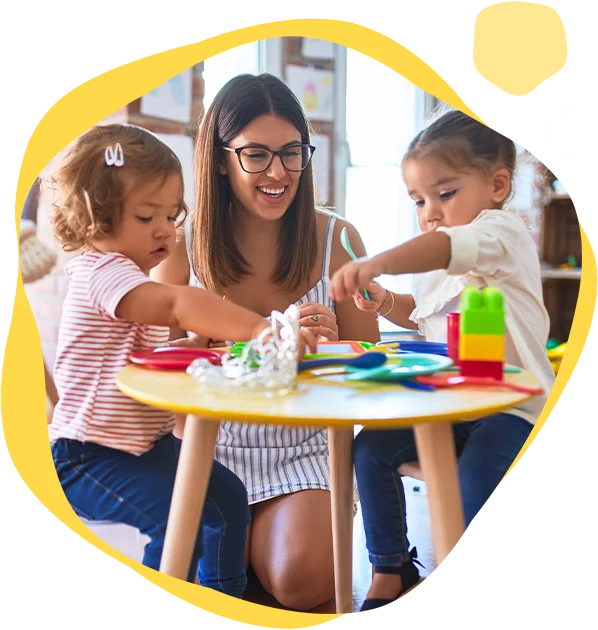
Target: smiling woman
257,237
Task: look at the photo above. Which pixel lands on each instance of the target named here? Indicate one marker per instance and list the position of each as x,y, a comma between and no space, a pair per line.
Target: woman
256,238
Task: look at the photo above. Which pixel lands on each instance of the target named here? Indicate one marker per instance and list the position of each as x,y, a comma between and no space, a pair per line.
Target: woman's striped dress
273,460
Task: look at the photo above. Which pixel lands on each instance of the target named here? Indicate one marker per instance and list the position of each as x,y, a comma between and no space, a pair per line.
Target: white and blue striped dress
273,460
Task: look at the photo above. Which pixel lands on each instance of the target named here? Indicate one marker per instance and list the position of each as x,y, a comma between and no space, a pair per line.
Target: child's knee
365,446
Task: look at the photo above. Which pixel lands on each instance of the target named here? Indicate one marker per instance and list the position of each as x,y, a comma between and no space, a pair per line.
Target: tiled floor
419,535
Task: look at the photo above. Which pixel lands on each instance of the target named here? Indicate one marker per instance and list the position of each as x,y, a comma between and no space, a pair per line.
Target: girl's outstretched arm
426,252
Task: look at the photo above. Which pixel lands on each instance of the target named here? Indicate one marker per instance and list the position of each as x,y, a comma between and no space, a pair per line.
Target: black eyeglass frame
273,154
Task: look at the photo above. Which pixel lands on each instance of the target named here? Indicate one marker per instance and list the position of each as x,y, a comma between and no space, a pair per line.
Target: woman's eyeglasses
294,158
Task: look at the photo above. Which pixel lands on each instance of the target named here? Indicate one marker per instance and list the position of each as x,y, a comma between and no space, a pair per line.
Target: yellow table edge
248,417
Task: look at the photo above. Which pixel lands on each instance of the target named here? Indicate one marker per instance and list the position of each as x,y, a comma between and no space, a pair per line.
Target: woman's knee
302,587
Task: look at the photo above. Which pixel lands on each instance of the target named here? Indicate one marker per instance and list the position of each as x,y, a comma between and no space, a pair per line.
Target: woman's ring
315,318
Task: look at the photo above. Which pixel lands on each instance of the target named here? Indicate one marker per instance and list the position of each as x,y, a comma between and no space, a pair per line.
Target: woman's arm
353,324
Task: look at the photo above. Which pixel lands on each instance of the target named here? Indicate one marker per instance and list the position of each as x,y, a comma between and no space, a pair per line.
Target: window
219,69
383,116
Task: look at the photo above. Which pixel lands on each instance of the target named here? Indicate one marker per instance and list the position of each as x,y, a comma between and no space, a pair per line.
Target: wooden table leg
340,445
438,461
190,486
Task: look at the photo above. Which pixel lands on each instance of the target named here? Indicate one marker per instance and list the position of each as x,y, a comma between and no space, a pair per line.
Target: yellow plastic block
482,347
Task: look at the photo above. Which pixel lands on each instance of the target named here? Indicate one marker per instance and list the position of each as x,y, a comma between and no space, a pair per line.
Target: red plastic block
493,369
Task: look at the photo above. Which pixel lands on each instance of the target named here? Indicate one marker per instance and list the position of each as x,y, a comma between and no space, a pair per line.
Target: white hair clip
114,156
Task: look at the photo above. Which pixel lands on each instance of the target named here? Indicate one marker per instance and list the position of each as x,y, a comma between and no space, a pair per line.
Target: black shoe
409,578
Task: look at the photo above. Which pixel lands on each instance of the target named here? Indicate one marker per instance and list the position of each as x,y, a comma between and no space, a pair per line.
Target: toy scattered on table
442,380
347,247
363,361
482,333
174,358
266,367
418,347
453,323
325,349
410,365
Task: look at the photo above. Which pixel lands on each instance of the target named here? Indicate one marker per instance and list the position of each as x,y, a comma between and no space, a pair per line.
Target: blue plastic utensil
409,384
347,246
364,361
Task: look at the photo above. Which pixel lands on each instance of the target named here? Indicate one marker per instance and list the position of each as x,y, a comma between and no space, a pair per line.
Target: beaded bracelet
392,297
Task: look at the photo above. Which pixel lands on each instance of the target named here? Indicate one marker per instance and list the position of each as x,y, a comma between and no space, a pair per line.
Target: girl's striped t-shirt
93,345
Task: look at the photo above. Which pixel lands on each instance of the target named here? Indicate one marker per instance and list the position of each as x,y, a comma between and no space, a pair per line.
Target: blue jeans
486,449
104,484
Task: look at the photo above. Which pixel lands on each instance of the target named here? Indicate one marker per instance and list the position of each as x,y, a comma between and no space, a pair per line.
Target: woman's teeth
272,192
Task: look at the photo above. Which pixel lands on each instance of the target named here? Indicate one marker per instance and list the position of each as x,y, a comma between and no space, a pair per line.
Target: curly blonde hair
90,193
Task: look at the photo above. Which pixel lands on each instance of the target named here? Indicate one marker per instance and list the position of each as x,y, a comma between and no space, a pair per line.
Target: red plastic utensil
167,358
453,381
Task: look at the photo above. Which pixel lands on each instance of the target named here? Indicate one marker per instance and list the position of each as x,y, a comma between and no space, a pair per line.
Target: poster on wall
321,167
183,147
315,89
171,100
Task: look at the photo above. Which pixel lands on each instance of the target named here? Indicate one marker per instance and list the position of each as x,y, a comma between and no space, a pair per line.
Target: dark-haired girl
459,174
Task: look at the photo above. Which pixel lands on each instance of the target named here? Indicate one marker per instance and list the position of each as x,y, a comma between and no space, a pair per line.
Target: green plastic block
482,312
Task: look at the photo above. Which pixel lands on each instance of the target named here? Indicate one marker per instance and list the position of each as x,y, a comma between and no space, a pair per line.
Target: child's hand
377,295
306,339
193,341
352,277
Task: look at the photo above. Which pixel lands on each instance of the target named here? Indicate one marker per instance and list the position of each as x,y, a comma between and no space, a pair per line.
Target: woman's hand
319,320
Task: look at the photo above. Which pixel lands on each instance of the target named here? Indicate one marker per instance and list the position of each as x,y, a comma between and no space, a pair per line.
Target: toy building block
482,312
489,369
482,347
482,332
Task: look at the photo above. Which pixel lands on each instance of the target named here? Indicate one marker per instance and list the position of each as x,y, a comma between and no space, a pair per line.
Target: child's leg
493,445
377,456
106,484
225,521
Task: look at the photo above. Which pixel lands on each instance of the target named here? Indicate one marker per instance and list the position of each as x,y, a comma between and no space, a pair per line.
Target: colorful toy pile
482,333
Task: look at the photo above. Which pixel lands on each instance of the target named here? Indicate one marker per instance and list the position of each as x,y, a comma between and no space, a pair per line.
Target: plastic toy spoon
363,361
347,246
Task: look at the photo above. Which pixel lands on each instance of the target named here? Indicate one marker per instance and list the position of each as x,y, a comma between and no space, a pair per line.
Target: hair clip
114,156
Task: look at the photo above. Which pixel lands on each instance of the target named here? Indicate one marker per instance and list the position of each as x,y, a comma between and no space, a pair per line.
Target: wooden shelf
561,274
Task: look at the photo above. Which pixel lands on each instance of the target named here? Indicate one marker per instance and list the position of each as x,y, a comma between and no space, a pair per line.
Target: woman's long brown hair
216,259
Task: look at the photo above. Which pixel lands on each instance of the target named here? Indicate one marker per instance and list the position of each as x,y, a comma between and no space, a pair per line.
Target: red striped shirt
93,345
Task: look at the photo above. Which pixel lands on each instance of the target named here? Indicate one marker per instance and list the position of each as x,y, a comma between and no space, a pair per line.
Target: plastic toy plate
408,366
167,358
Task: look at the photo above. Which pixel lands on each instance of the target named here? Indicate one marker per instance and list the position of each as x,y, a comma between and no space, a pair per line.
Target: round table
320,399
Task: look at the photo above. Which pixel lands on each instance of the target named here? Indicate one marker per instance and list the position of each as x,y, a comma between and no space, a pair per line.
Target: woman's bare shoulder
175,269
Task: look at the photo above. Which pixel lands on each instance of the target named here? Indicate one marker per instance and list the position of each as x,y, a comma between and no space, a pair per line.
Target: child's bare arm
189,308
199,311
427,252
